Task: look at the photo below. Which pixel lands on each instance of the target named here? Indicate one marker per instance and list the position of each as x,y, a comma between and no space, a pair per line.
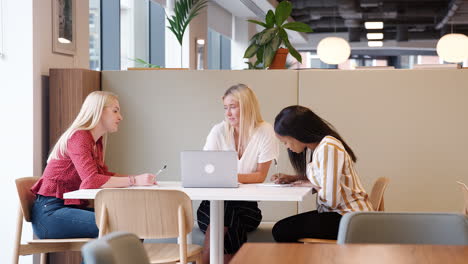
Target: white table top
245,192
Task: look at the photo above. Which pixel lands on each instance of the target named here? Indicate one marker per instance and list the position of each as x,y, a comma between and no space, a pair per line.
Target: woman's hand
281,178
303,183
145,179
306,183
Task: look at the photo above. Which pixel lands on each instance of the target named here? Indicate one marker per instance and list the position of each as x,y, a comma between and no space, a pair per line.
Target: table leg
216,232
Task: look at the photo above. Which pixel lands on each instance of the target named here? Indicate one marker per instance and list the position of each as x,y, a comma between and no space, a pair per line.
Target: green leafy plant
265,43
254,66
145,64
184,12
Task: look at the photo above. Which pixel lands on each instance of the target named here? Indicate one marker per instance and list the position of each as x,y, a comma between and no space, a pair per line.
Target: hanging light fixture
453,48
333,50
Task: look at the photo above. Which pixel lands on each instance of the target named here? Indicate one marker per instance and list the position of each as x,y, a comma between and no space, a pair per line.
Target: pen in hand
276,168
159,172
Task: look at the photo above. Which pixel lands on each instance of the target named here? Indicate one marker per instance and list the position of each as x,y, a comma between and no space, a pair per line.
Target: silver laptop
210,169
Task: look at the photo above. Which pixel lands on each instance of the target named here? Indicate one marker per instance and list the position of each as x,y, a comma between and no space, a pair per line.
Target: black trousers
310,224
240,217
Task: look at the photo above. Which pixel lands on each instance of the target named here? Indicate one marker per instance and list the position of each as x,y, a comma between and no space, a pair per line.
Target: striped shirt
332,169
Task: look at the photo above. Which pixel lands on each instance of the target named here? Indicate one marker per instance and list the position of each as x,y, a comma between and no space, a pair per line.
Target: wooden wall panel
68,89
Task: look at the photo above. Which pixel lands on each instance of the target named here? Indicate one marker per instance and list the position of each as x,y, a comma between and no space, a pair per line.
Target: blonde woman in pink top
77,162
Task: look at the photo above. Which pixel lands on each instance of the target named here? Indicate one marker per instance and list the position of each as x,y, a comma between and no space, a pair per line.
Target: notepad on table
274,185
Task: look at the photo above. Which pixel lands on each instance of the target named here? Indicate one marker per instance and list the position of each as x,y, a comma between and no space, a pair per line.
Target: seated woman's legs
52,219
310,224
240,217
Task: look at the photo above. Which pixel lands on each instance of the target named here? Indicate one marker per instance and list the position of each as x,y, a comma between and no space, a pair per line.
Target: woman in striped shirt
323,160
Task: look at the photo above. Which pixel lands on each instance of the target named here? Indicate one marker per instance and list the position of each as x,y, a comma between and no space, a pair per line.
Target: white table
217,196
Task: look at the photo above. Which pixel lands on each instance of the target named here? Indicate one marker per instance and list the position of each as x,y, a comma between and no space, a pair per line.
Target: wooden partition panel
68,89
408,125
166,112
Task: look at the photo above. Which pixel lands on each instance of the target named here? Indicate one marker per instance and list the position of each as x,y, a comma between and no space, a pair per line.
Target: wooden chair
43,246
376,198
150,214
464,189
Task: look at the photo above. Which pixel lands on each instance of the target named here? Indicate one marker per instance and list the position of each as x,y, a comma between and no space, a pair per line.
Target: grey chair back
403,228
115,248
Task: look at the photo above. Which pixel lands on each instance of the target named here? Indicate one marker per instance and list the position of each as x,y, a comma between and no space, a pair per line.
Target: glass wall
134,32
219,51
95,35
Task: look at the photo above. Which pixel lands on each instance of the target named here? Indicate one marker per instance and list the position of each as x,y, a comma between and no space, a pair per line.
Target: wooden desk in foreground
271,253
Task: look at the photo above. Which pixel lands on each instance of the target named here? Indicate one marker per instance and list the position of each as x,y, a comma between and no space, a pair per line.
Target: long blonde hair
87,119
250,116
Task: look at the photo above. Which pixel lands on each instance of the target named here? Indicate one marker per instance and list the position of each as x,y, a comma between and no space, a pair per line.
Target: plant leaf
144,63
268,56
293,51
184,12
275,43
282,12
251,50
283,35
297,26
257,22
254,38
266,36
260,52
270,19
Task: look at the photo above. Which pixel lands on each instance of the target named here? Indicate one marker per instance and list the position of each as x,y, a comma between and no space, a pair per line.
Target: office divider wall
166,112
408,125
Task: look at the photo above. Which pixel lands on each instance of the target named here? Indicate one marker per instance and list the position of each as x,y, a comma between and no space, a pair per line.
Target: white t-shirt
262,146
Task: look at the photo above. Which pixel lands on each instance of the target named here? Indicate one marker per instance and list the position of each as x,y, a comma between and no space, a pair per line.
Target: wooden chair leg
199,259
43,258
19,231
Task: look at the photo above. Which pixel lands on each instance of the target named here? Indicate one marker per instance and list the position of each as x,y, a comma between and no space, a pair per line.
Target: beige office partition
408,125
166,112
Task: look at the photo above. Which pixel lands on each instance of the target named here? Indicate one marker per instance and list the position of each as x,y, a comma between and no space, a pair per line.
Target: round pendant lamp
333,50
453,48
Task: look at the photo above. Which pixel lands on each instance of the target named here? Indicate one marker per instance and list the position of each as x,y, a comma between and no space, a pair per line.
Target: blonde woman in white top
323,160
244,131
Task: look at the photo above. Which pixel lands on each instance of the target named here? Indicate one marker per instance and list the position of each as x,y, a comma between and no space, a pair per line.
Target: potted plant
267,44
184,12
144,65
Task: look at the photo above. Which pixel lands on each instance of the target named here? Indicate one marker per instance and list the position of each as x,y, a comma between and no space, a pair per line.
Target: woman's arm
80,149
255,177
281,178
144,179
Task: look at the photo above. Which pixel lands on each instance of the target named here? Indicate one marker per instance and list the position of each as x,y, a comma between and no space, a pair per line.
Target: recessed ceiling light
374,35
373,25
375,43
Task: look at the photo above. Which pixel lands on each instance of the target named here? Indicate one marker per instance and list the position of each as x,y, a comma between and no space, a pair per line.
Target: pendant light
453,47
333,50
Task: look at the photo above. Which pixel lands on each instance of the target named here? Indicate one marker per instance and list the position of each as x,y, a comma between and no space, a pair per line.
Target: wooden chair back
464,189
146,213
26,197
376,197
43,246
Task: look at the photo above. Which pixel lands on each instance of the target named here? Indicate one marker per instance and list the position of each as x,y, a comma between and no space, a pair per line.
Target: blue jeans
52,219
